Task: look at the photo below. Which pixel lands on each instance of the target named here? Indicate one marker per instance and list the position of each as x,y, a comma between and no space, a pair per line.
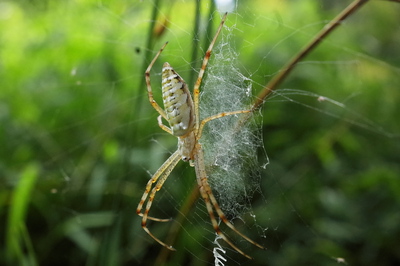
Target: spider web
230,149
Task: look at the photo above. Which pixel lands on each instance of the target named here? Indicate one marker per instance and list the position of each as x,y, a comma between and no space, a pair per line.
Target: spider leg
162,172
214,221
148,84
161,175
208,119
156,188
222,215
207,195
196,89
163,127
199,163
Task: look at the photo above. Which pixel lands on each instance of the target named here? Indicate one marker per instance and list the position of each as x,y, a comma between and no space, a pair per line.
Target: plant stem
275,81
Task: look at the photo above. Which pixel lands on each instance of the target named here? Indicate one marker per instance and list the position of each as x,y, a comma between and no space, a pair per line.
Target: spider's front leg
148,84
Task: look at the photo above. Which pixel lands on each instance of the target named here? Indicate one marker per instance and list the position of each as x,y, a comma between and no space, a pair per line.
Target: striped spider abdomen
178,103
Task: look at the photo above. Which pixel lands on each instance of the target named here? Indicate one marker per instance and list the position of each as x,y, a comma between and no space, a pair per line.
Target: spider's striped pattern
177,102
182,114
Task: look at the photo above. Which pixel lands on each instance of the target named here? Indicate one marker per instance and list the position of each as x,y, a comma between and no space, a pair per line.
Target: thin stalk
209,31
148,51
195,42
275,81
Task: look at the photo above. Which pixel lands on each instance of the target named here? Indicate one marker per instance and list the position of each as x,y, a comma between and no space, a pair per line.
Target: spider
182,113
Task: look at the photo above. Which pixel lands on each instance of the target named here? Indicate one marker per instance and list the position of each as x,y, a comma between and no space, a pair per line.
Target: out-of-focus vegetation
79,138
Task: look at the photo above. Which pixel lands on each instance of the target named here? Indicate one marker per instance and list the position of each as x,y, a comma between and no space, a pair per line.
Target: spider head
186,146
185,159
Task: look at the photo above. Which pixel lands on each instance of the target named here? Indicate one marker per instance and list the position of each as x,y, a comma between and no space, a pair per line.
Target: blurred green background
79,139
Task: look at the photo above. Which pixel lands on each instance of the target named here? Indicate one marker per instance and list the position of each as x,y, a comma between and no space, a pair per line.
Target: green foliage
79,138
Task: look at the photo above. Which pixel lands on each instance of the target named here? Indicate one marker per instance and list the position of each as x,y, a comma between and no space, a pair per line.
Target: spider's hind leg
160,177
